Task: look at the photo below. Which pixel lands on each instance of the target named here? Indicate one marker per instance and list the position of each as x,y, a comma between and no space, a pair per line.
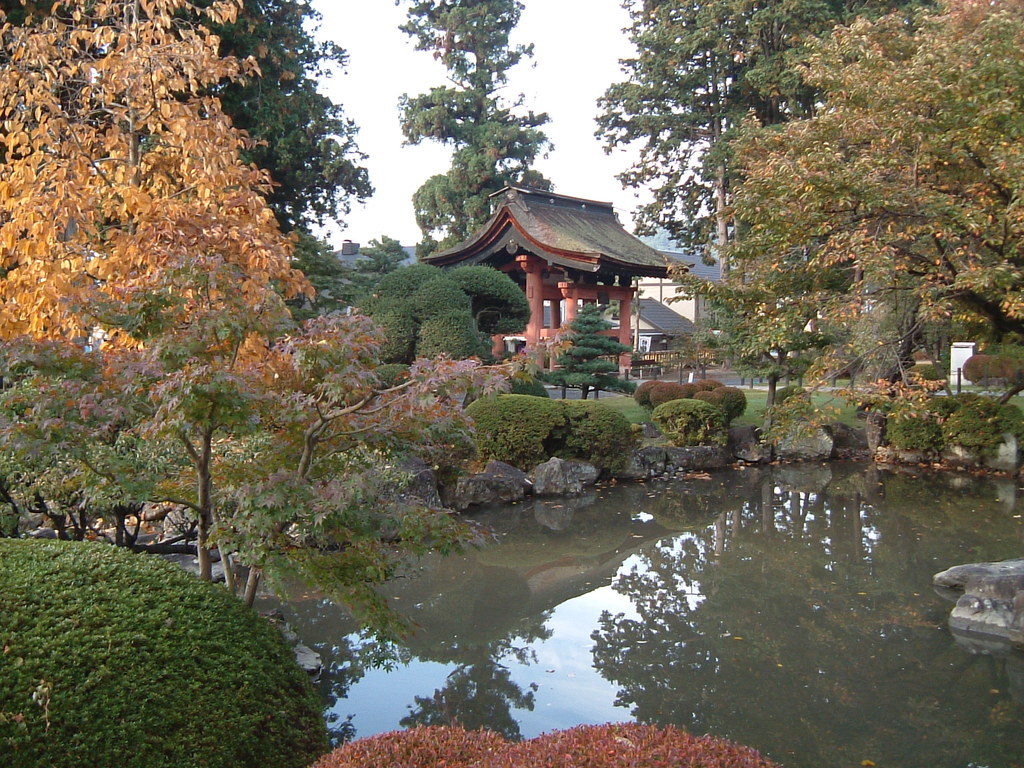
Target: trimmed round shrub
439,298
978,424
614,745
691,422
398,337
597,434
707,385
451,334
117,659
669,390
731,400
519,430
391,374
642,394
528,385
911,427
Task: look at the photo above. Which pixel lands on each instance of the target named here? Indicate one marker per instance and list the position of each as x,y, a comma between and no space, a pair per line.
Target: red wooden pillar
569,293
533,267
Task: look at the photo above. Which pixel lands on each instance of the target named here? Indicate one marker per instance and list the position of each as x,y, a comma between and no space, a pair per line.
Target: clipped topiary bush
784,393
979,423
707,385
597,434
928,372
911,427
642,394
528,385
731,400
520,430
665,391
615,745
118,659
691,422
525,431
449,334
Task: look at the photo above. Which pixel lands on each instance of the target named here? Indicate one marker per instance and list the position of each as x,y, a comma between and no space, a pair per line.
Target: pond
788,608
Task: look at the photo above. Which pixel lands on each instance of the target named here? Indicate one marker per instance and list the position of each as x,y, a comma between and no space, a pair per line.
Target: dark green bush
438,298
913,427
731,400
928,372
452,335
985,369
520,430
642,394
118,659
784,393
691,422
707,385
665,391
614,745
597,434
528,385
525,431
391,374
978,424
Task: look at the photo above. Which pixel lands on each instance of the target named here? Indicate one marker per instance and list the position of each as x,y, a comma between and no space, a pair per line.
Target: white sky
577,48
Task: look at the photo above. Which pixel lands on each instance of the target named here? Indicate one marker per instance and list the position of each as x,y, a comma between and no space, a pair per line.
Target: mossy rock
118,659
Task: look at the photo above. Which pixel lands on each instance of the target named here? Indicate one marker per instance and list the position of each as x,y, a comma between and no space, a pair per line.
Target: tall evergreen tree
494,141
584,364
701,69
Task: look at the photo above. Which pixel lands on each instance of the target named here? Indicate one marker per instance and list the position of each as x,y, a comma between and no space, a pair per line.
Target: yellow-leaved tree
124,202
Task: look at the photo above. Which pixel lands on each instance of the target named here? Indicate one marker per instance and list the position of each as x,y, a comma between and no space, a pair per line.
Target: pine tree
494,142
584,364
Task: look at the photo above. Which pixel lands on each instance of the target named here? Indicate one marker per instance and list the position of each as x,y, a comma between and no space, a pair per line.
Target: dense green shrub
520,430
691,422
525,431
498,304
597,434
669,390
528,385
784,393
978,424
391,374
983,369
731,400
706,385
449,334
642,394
118,659
928,372
913,427
616,745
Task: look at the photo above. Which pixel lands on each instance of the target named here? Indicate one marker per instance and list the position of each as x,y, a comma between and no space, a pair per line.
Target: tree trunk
769,403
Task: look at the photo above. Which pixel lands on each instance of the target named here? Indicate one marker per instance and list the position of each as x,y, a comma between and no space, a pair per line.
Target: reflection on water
787,608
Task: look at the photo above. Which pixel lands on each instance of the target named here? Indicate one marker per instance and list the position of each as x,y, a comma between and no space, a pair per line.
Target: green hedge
525,431
118,659
691,422
642,394
528,385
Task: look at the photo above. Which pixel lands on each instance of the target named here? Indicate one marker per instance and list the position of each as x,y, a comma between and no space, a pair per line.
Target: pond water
787,608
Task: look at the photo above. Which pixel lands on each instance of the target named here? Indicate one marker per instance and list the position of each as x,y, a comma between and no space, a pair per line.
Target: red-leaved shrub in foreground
622,745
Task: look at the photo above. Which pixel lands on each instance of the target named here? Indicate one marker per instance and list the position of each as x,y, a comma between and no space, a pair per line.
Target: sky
577,48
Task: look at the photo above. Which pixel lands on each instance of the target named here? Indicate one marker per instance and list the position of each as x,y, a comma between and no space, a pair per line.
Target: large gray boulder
557,477
992,599
806,443
499,482
645,463
746,445
697,457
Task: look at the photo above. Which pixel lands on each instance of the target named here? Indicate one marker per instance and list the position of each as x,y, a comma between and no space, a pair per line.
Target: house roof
663,319
569,232
697,266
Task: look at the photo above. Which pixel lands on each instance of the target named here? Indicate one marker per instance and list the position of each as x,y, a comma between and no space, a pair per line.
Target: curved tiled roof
568,231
